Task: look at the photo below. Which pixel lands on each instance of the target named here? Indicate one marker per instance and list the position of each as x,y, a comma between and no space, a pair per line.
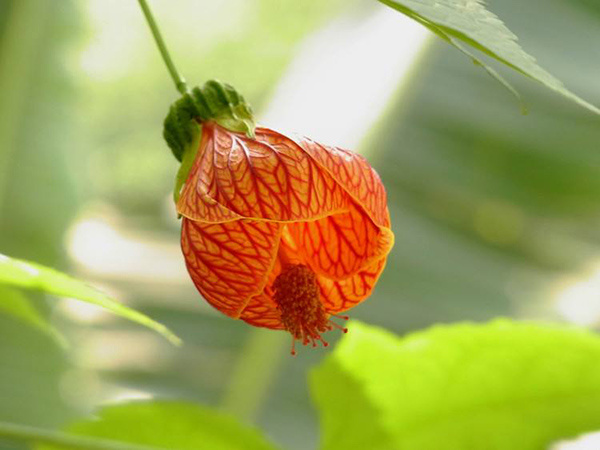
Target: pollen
298,299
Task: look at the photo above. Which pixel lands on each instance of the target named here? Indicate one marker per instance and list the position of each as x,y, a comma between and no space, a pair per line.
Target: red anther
339,327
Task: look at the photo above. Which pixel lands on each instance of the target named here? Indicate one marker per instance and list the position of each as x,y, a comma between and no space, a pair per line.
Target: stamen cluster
297,296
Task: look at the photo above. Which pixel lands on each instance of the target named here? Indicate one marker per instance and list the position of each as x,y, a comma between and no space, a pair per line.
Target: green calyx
187,161
214,101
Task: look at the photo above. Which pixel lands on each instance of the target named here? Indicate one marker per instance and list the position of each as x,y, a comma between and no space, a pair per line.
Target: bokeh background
495,213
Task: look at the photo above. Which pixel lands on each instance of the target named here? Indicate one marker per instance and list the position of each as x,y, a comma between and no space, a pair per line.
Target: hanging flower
281,232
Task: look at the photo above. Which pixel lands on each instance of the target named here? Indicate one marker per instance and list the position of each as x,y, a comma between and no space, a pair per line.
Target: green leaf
58,440
30,275
502,385
14,303
468,22
168,425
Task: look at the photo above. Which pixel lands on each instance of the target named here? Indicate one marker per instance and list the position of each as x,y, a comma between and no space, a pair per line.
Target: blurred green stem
254,372
179,81
23,433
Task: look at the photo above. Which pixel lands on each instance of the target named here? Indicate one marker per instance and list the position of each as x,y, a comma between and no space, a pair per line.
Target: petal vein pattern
355,175
262,311
230,262
268,178
341,295
340,245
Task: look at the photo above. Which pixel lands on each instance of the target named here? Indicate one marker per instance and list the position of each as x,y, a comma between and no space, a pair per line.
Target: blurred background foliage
494,213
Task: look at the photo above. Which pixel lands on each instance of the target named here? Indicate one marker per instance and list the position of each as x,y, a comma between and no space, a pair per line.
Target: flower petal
230,262
355,175
261,311
340,245
341,295
269,178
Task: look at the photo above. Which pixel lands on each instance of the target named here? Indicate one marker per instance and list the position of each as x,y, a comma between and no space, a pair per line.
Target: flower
282,232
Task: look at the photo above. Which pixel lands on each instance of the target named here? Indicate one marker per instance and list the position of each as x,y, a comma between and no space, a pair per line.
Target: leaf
55,439
30,275
469,22
502,385
14,303
168,425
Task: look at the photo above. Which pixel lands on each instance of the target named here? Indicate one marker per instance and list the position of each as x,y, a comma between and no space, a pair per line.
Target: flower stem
179,81
254,373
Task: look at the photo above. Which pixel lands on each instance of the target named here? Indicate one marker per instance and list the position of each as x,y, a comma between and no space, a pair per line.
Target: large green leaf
503,385
24,274
461,22
167,425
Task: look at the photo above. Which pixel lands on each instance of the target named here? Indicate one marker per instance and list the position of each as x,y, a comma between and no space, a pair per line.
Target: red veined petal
197,200
269,177
230,262
341,295
261,311
355,175
339,245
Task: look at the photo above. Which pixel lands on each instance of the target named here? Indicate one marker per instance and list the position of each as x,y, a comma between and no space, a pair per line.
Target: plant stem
254,373
179,81
32,435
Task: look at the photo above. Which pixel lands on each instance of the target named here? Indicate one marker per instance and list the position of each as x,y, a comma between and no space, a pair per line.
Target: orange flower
282,233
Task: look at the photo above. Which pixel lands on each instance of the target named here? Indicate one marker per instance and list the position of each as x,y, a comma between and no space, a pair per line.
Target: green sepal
214,101
189,156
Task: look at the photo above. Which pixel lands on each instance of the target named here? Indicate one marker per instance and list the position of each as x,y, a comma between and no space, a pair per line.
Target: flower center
302,313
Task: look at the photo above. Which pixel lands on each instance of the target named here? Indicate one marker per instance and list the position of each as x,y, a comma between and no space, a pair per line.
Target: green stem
33,435
180,83
254,373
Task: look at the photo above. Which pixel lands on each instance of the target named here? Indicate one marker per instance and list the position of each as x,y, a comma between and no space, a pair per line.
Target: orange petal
269,177
355,175
261,311
341,295
230,262
340,245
